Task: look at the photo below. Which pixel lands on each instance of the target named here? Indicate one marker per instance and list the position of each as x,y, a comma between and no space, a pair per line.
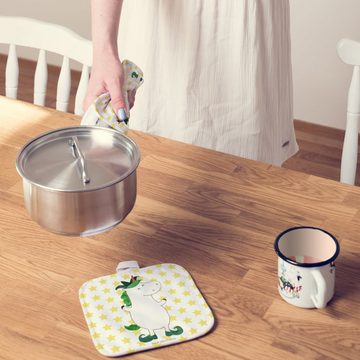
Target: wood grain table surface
216,215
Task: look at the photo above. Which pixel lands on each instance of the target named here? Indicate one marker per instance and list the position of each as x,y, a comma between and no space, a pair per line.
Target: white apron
217,73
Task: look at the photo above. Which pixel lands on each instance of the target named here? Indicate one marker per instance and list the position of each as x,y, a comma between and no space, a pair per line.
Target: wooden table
216,215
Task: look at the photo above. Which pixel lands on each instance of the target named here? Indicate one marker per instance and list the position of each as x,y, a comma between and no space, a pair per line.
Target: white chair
17,31
349,53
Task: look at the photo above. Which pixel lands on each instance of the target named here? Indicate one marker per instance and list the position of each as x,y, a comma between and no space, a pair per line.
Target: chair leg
350,150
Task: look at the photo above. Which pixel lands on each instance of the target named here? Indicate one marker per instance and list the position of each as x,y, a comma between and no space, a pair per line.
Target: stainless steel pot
79,180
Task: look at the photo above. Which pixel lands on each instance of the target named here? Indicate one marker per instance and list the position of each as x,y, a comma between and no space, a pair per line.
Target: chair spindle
40,80
12,73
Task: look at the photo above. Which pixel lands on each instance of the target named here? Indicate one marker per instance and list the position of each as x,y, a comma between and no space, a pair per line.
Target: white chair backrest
349,52
18,31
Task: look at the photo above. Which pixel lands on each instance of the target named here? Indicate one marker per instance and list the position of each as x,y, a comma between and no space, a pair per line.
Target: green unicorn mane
134,281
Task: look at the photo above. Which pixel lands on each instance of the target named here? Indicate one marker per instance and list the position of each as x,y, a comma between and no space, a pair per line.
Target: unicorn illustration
145,311
290,282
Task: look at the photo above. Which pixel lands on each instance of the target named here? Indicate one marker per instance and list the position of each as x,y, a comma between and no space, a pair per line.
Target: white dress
217,73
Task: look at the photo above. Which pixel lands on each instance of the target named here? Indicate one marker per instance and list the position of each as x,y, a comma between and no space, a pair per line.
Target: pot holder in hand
100,113
138,309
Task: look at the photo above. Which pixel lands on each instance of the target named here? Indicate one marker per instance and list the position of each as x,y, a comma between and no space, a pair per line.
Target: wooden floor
320,146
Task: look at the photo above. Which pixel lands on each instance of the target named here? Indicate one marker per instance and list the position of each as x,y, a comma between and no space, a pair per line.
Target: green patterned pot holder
140,309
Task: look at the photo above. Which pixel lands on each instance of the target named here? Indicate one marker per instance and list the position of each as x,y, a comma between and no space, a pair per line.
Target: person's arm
107,73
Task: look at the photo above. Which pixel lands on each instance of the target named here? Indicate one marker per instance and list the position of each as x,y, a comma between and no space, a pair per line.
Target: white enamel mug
306,268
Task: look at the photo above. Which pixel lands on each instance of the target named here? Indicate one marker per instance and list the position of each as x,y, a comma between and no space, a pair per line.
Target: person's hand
107,76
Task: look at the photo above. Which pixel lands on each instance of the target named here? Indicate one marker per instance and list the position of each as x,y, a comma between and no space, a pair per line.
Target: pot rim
120,179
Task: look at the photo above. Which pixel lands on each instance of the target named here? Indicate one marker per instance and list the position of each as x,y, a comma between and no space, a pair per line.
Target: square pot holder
138,309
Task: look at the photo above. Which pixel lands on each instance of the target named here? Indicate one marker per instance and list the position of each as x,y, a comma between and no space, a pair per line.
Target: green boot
176,331
147,338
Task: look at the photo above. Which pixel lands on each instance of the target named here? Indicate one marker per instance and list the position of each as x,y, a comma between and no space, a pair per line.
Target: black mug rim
294,262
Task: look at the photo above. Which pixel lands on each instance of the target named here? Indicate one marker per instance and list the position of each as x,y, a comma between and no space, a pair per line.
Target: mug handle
319,298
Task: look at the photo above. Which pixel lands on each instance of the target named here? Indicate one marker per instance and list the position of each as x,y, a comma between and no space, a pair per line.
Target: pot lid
79,158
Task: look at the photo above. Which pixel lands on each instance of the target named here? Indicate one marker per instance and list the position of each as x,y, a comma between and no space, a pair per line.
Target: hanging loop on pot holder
124,265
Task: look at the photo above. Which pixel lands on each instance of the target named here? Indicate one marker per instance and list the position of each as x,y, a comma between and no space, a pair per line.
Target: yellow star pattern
107,319
126,340
115,349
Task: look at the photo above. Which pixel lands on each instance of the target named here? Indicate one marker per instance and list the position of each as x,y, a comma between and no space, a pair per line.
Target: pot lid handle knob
75,146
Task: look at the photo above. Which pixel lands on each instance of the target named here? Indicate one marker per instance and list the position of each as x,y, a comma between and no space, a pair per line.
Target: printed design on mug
290,282
145,311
